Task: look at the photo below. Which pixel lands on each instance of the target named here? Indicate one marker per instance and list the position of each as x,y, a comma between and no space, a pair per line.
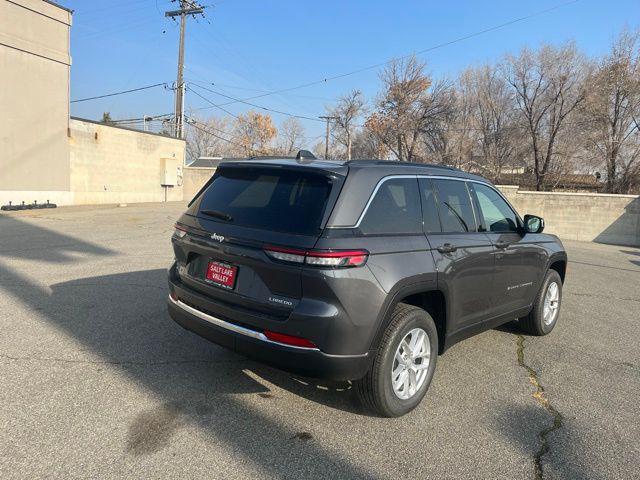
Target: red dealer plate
222,274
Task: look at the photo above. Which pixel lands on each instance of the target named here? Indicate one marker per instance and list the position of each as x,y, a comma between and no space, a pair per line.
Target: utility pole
326,142
186,8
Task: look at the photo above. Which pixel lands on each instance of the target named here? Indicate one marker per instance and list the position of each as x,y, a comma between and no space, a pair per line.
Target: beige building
46,155
34,98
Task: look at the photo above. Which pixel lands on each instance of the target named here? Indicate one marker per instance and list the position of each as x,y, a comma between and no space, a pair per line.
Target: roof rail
404,164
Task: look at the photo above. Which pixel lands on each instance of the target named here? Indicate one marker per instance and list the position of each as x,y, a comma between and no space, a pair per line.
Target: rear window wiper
215,213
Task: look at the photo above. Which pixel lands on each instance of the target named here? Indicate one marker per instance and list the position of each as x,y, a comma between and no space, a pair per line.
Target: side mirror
533,224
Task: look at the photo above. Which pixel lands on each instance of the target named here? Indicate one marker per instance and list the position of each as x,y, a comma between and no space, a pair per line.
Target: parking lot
97,381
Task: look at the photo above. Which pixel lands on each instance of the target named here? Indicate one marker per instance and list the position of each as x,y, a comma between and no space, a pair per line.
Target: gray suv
361,270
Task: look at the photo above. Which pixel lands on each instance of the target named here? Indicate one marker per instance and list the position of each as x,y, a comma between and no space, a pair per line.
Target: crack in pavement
544,402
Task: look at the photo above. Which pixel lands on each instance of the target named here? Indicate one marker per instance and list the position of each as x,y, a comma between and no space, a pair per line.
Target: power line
120,93
418,52
194,123
253,104
215,105
186,8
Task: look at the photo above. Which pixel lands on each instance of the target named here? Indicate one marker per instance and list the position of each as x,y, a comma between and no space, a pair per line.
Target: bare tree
290,136
203,138
349,108
612,107
397,119
493,119
549,87
444,132
367,145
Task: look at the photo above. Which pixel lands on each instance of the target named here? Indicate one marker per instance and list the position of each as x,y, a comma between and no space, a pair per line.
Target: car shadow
632,252
122,319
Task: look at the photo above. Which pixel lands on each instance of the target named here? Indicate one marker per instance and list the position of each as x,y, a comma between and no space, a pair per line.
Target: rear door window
454,206
394,210
290,201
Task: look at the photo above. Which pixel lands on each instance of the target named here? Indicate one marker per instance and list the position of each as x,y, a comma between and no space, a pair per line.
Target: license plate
222,274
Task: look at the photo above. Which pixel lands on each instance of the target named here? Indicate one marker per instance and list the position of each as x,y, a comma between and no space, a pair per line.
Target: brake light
344,258
289,339
319,258
285,254
179,231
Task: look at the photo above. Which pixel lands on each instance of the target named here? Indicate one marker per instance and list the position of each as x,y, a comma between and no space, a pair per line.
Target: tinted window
498,216
282,200
395,209
454,206
429,207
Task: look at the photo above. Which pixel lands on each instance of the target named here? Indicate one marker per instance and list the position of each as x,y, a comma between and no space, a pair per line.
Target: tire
535,323
376,390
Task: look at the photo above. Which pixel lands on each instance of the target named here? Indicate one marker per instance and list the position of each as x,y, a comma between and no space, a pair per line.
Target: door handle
502,245
447,248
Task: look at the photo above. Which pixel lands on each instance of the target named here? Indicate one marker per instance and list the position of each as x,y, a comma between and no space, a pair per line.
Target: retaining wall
591,217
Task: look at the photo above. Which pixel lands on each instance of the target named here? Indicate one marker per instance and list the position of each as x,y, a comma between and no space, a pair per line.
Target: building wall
193,180
604,218
118,165
34,101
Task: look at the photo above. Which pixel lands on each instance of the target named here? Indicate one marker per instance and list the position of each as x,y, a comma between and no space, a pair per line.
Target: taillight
319,258
289,339
285,254
179,231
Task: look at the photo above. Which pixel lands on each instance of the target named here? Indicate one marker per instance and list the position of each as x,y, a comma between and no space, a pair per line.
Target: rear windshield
288,201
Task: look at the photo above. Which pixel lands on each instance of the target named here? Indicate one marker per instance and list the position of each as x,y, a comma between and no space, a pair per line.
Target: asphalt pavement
97,381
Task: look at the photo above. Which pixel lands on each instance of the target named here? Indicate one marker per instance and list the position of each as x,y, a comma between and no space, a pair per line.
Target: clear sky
246,47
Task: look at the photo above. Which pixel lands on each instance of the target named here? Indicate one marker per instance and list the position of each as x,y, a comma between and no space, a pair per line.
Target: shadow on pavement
632,252
122,318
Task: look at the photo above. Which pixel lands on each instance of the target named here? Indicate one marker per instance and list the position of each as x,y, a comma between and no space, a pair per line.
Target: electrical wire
418,52
120,93
194,123
303,117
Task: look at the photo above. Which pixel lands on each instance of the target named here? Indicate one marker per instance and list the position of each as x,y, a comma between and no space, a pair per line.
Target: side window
395,209
454,206
429,207
498,215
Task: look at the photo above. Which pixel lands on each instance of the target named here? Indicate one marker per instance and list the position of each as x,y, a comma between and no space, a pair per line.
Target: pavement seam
608,297
115,362
540,397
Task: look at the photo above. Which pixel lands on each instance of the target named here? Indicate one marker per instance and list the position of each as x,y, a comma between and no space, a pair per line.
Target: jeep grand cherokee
358,270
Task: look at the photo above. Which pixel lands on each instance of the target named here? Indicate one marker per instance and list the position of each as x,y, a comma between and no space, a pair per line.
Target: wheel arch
558,262
430,299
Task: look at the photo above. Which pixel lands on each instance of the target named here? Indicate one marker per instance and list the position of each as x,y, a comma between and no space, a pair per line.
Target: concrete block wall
193,179
118,165
591,217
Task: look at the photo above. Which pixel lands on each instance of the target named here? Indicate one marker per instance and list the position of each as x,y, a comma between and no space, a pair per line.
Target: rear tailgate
241,211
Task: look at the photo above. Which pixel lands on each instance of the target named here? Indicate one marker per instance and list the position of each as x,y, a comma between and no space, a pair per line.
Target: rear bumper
309,362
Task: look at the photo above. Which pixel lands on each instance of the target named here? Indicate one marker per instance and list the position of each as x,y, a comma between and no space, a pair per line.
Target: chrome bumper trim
234,328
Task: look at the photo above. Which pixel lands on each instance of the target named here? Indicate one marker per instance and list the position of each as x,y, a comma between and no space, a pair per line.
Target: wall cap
578,194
